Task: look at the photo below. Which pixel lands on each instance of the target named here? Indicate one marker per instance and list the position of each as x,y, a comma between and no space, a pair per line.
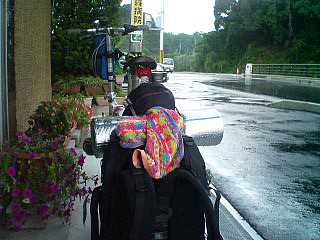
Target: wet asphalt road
268,163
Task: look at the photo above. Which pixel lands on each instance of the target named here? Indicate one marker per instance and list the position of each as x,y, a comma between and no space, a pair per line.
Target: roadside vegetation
246,31
258,31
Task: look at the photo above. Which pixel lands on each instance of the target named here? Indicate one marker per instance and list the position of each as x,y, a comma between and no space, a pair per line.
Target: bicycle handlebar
126,29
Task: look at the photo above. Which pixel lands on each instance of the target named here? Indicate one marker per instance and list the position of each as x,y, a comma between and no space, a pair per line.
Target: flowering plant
76,108
50,120
38,175
39,183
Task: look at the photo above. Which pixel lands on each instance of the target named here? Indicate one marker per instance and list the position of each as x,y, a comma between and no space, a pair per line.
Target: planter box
72,90
94,90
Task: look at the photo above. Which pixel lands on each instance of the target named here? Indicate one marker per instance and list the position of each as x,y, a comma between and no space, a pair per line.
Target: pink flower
53,188
11,171
19,134
81,160
54,145
15,192
44,211
26,139
16,208
27,193
33,155
73,152
20,216
34,199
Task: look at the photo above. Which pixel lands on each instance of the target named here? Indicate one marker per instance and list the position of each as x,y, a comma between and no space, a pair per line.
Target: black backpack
130,205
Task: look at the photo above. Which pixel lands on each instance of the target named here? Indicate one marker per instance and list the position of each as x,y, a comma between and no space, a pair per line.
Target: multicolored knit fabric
160,130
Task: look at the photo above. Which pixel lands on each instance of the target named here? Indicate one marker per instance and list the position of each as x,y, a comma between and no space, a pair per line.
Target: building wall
32,21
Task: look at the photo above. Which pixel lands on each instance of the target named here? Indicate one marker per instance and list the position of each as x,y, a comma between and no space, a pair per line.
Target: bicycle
138,68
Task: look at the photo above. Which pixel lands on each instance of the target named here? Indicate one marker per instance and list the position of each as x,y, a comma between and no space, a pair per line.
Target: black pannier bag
130,205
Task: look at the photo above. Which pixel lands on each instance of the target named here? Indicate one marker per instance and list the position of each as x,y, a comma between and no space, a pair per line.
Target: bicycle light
143,72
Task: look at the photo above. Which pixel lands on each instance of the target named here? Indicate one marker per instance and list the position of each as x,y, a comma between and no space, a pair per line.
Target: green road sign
136,36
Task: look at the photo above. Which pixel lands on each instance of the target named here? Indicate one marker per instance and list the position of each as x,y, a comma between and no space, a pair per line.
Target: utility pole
161,56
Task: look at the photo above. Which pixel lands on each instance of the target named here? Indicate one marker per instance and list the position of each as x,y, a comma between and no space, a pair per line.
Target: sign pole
135,45
161,55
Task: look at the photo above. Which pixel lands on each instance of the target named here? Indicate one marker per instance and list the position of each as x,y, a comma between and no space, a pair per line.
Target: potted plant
94,86
38,178
75,105
70,84
51,120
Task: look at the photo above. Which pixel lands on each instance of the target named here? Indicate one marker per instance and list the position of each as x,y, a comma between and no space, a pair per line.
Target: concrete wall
32,21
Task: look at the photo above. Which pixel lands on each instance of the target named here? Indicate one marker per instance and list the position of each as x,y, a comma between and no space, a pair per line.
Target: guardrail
300,70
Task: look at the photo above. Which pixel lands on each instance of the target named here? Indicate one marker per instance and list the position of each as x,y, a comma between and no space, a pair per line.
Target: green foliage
71,54
260,32
71,81
75,108
51,119
91,80
184,63
68,81
119,91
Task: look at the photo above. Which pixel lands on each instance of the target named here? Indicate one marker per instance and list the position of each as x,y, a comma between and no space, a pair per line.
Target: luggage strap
144,205
211,212
164,189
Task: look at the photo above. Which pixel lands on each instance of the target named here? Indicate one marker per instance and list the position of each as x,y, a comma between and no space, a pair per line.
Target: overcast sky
183,16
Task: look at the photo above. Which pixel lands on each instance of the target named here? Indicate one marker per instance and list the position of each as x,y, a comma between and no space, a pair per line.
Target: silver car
168,64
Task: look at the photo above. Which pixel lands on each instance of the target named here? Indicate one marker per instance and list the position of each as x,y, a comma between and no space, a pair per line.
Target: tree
268,31
71,54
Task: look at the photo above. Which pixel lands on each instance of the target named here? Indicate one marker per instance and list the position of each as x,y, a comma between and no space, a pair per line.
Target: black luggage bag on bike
130,205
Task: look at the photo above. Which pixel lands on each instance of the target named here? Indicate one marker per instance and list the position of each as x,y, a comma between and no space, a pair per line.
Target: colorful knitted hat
160,130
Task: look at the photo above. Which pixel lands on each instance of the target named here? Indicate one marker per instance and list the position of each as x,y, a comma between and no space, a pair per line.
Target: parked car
159,74
168,64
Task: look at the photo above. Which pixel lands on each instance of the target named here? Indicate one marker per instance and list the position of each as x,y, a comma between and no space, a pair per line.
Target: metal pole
161,56
4,118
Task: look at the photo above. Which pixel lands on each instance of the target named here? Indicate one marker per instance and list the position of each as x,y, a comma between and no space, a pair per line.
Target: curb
236,215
